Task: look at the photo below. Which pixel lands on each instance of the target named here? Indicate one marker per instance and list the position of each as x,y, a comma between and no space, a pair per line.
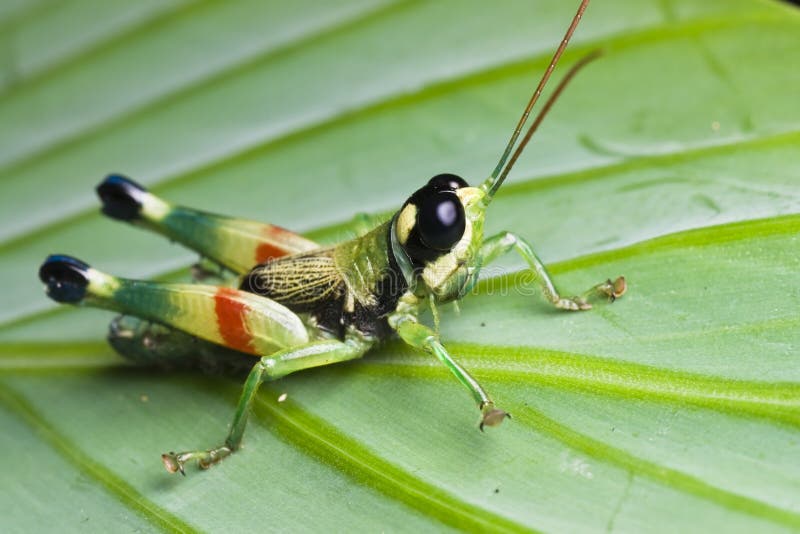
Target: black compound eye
440,220
447,181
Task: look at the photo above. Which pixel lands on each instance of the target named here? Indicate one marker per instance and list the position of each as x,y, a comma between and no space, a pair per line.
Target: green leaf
672,160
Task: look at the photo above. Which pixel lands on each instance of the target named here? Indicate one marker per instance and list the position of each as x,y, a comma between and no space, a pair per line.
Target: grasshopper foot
615,289
174,462
492,416
612,290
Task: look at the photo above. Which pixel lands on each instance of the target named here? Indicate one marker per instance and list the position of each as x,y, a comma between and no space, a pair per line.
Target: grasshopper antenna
543,113
493,183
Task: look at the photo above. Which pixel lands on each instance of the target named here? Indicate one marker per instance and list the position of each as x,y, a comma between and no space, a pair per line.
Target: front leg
504,242
404,322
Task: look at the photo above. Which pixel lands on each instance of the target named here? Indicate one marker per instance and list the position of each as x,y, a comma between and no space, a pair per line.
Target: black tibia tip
65,277
121,197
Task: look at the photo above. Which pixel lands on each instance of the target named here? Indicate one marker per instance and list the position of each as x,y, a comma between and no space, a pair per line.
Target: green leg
423,338
268,368
504,242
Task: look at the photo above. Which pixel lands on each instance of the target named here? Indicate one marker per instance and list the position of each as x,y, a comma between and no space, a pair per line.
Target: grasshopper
298,305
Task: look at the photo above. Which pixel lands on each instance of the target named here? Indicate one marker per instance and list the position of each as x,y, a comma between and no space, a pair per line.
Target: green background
673,160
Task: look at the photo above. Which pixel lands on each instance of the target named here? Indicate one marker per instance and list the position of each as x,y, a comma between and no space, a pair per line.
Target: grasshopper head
440,229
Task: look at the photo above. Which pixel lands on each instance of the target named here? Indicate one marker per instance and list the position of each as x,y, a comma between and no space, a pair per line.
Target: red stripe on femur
274,246
268,251
231,318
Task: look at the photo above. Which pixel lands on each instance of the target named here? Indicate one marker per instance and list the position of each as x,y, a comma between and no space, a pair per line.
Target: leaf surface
673,160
